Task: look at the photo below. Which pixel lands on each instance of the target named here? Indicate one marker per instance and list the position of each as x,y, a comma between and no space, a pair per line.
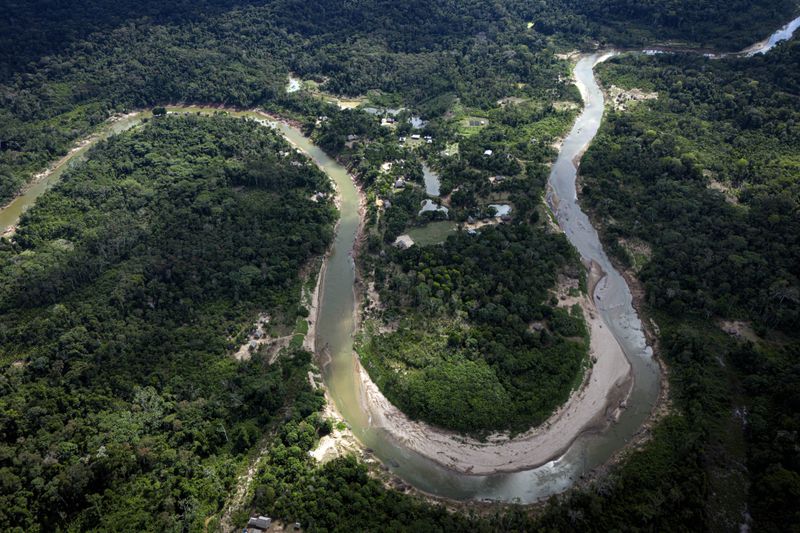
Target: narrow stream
335,324
10,214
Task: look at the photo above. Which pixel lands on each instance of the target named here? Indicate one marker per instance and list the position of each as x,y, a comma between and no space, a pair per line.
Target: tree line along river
336,313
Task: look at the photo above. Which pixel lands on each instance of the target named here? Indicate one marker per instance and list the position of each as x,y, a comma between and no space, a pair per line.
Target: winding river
335,321
588,450
10,213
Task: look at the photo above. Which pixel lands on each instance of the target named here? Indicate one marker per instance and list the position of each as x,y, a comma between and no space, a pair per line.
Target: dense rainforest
125,290
66,65
33,29
728,26
712,168
477,328
123,293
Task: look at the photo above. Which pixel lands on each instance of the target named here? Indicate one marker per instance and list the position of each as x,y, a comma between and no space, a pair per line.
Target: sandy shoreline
310,341
590,408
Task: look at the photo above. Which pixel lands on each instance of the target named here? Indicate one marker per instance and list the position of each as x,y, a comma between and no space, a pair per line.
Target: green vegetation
466,354
712,168
432,232
729,25
126,288
730,125
120,294
339,496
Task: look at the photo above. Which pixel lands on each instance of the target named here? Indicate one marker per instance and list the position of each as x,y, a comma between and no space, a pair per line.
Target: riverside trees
82,292
122,295
711,168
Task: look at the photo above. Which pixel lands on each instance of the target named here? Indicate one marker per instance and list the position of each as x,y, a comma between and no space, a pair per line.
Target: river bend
335,320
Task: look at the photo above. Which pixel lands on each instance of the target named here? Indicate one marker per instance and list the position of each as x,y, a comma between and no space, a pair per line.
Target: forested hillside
730,25
122,297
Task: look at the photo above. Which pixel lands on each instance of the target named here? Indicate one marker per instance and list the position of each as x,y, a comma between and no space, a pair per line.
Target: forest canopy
124,292
711,166
126,288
